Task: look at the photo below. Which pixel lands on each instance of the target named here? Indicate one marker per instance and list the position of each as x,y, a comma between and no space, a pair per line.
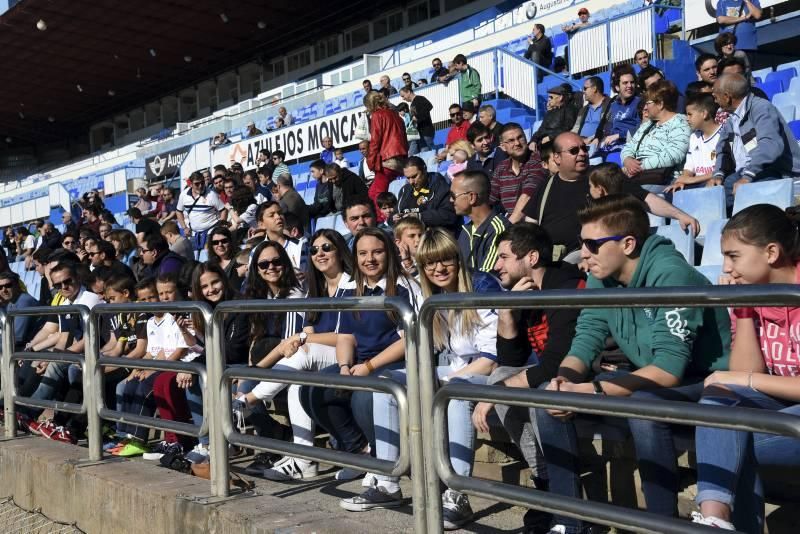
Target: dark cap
562,89
468,106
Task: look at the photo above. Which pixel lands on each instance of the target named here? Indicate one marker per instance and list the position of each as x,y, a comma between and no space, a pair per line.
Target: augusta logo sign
165,165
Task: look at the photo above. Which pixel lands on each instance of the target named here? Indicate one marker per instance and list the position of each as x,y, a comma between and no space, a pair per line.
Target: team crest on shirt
421,200
713,155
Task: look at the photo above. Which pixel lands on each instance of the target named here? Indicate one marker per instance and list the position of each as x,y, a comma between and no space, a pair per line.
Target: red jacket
387,138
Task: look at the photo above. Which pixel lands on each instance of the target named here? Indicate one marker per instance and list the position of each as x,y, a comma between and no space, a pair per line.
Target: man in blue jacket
755,144
426,196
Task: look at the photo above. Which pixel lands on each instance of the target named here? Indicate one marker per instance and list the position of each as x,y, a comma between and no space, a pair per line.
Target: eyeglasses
457,114
197,184
6,287
143,250
68,282
68,243
431,265
648,102
265,264
92,254
220,242
325,247
575,149
593,245
454,196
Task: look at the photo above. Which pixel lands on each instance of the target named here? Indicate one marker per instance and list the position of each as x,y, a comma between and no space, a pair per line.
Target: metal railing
222,431
188,429
10,358
435,439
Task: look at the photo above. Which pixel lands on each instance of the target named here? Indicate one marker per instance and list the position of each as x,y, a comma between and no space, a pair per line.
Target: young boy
407,234
387,206
547,160
606,179
338,158
177,243
701,111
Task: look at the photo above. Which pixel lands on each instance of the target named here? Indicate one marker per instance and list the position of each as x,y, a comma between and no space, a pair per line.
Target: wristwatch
303,338
598,388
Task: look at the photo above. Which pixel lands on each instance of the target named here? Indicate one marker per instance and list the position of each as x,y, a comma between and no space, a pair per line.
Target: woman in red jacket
388,146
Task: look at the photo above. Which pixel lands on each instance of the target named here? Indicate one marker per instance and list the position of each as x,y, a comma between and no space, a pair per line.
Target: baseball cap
562,89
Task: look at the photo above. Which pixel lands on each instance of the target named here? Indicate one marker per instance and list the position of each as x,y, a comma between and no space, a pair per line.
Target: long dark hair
229,293
257,288
223,232
394,269
314,278
762,224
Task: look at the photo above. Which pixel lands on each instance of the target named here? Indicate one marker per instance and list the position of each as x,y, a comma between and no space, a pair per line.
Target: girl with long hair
467,339
760,245
313,349
222,250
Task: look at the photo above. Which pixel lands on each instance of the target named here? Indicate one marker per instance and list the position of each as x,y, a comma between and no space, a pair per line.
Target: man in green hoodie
670,350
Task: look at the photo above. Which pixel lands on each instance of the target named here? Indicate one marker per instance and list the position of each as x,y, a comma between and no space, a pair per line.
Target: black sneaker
375,497
261,461
456,510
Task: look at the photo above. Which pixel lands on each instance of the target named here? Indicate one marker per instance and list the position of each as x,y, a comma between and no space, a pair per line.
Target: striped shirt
201,212
507,186
479,246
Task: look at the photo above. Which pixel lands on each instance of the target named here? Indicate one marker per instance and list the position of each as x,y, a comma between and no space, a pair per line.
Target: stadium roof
58,80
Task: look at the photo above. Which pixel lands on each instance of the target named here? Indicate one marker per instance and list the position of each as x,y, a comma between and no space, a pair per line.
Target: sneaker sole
449,525
366,507
279,477
152,456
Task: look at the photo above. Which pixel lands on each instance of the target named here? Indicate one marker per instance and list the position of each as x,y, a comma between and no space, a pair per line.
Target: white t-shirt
200,213
702,153
30,242
164,334
464,349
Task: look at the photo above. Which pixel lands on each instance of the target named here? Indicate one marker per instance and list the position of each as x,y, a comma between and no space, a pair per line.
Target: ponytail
762,224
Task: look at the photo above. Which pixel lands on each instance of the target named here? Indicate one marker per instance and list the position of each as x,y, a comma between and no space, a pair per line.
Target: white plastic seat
682,240
712,251
775,192
705,204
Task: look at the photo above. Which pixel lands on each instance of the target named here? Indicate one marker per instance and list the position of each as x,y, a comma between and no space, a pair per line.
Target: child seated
460,158
606,179
701,111
338,158
387,206
407,234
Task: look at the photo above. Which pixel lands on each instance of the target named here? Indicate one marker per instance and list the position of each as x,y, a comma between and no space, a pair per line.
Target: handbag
362,128
412,133
661,176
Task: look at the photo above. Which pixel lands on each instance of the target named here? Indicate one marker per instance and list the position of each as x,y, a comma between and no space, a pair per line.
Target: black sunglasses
264,264
325,247
68,282
593,245
217,242
6,286
456,114
574,150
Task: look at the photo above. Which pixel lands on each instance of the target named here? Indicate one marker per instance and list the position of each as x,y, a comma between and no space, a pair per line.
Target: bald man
755,144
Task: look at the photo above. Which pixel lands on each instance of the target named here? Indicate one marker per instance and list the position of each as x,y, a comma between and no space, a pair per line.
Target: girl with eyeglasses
222,251
760,245
467,341
312,349
368,342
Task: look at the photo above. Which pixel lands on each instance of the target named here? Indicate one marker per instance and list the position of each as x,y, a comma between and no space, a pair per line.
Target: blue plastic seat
706,204
781,76
682,240
396,186
794,88
712,252
795,127
771,88
762,73
789,66
776,192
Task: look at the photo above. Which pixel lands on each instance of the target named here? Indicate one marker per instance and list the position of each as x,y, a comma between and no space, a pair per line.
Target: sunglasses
579,148
65,283
454,196
265,264
197,184
68,243
4,287
325,247
219,242
593,245
455,114
92,254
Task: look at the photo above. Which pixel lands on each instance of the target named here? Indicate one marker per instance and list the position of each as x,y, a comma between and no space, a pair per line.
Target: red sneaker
48,429
40,427
63,435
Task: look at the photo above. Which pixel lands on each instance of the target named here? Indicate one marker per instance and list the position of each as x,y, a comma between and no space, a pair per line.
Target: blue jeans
655,451
194,399
459,424
136,397
417,146
54,381
346,416
728,461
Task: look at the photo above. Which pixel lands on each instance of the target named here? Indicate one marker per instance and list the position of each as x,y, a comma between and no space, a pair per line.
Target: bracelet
370,368
750,381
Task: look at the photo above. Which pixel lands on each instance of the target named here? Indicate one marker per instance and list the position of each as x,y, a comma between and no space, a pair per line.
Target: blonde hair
407,223
462,144
375,100
439,245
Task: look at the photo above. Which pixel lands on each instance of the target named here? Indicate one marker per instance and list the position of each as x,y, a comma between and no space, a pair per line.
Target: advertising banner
165,165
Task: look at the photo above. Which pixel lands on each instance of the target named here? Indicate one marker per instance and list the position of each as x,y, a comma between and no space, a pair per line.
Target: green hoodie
691,341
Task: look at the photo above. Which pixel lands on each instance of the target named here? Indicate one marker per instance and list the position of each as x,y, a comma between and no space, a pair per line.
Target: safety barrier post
409,412
9,410
92,385
438,463
428,382
218,446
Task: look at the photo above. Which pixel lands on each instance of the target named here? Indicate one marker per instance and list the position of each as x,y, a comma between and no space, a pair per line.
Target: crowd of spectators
508,212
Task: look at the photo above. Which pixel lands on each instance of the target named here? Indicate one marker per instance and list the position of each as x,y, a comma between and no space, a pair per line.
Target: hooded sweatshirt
680,341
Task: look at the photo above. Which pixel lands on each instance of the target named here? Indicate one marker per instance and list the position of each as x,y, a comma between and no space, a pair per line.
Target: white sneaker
289,468
369,481
558,529
198,455
712,521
